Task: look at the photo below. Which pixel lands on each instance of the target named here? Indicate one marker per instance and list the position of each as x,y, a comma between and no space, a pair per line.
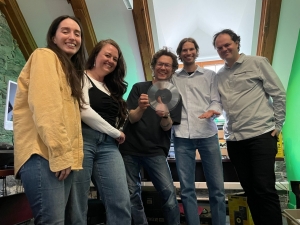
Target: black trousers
254,161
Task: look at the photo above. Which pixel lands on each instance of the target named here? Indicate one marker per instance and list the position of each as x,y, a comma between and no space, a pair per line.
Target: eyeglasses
167,65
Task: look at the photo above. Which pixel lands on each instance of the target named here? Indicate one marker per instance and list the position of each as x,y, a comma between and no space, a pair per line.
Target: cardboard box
292,216
239,212
221,134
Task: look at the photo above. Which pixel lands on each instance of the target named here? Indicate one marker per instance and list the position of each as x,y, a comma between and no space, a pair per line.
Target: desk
15,208
7,172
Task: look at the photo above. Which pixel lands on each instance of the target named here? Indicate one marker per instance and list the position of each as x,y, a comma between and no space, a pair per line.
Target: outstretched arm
209,114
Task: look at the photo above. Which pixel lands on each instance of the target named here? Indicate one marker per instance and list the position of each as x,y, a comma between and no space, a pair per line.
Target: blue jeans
209,149
48,197
159,172
103,162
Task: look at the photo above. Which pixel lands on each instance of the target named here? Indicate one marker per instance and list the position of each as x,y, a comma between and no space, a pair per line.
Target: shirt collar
239,61
182,72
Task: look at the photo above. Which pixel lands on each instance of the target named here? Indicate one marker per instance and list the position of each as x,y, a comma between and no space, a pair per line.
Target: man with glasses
252,123
201,103
147,144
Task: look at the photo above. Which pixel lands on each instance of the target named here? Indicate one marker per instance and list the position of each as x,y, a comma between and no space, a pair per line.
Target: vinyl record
163,92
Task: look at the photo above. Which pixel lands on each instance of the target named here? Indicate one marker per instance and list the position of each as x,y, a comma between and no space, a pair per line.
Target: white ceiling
171,21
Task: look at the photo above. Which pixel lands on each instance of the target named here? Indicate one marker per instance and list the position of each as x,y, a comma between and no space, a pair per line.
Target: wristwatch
166,116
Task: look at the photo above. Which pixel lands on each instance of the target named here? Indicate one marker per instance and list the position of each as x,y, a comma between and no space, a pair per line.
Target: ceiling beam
18,26
142,25
82,13
268,28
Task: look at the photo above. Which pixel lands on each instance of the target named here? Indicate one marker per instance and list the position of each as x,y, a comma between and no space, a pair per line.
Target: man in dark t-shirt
147,142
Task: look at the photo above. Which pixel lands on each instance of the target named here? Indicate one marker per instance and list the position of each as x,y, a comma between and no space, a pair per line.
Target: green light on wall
291,128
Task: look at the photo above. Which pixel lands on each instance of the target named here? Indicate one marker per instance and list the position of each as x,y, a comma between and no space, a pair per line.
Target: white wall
287,35
112,20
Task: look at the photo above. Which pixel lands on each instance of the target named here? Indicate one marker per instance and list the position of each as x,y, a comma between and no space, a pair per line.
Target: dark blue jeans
254,161
159,172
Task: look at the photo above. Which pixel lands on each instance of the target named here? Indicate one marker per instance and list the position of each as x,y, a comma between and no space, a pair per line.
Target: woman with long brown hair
102,114
47,126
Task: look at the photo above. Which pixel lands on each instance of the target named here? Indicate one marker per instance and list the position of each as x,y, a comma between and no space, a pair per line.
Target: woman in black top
104,109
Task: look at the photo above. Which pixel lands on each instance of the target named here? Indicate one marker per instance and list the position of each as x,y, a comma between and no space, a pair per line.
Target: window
215,67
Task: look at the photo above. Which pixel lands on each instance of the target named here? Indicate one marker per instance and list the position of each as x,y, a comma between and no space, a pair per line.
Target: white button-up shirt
199,94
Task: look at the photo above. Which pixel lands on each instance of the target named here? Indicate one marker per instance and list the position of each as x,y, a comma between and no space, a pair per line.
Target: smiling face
68,37
188,53
163,68
227,49
106,60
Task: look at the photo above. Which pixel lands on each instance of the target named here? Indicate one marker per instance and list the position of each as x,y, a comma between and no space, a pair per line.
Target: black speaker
238,219
6,160
96,212
296,190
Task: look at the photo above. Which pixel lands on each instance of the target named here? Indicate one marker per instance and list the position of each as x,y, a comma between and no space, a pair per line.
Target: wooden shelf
7,172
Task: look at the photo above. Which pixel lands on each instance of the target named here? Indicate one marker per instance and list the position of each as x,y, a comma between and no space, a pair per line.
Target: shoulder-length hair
114,81
74,67
182,42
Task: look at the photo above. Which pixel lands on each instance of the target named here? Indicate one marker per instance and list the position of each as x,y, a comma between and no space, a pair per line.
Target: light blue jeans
158,169
185,151
48,197
103,162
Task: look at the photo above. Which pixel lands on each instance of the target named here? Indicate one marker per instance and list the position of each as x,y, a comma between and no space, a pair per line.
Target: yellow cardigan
46,117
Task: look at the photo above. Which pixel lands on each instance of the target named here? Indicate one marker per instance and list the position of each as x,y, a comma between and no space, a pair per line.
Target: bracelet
166,116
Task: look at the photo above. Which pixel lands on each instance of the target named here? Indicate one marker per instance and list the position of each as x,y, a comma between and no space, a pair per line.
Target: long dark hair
114,81
74,67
